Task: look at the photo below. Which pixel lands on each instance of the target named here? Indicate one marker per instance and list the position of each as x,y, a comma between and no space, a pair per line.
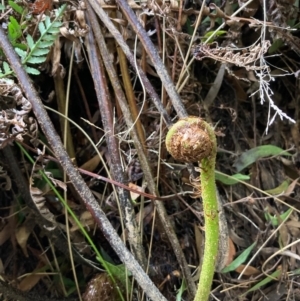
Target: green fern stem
211,218
190,140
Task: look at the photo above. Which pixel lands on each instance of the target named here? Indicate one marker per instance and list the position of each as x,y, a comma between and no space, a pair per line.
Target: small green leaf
60,10
42,28
254,154
30,41
207,37
49,37
21,53
257,286
47,22
295,272
14,29
279,189
119,272
291,22
2,7
31,70
36,59
231,180
21,46
189,27
53,31
239,260
276,45
274,220
56,24
41,51
4,76
297,26
56,173
45,44
17,8
181,290
6,67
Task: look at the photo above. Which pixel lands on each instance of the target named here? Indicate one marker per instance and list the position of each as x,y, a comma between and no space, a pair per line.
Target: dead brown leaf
91,164
249,271
31,280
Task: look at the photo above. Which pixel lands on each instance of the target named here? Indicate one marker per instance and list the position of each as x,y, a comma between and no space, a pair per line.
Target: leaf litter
258,171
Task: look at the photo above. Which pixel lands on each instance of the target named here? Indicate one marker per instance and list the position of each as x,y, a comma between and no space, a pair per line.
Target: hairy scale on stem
192,139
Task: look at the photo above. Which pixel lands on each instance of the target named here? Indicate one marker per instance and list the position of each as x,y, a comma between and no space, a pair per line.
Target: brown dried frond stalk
243,58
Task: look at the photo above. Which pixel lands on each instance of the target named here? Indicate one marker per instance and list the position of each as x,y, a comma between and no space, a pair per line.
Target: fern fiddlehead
192,139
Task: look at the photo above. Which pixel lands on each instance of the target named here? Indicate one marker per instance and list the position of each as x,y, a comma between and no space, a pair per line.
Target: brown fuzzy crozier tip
188,141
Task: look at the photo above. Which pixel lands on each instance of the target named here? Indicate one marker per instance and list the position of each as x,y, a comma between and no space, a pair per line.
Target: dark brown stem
77,181
60,94
154,56
168,229
116,34
128,87
85,102
105,108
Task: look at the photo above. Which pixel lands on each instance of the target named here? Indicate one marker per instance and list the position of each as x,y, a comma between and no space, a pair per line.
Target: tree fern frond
48,30
36,51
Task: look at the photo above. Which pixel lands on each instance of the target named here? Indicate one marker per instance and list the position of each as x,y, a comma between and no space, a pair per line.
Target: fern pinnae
22,54
17,8
31,70
5,71
45,44
6,68
30,41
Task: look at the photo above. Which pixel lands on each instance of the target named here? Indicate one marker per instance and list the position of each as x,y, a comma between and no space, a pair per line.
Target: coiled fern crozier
190,140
